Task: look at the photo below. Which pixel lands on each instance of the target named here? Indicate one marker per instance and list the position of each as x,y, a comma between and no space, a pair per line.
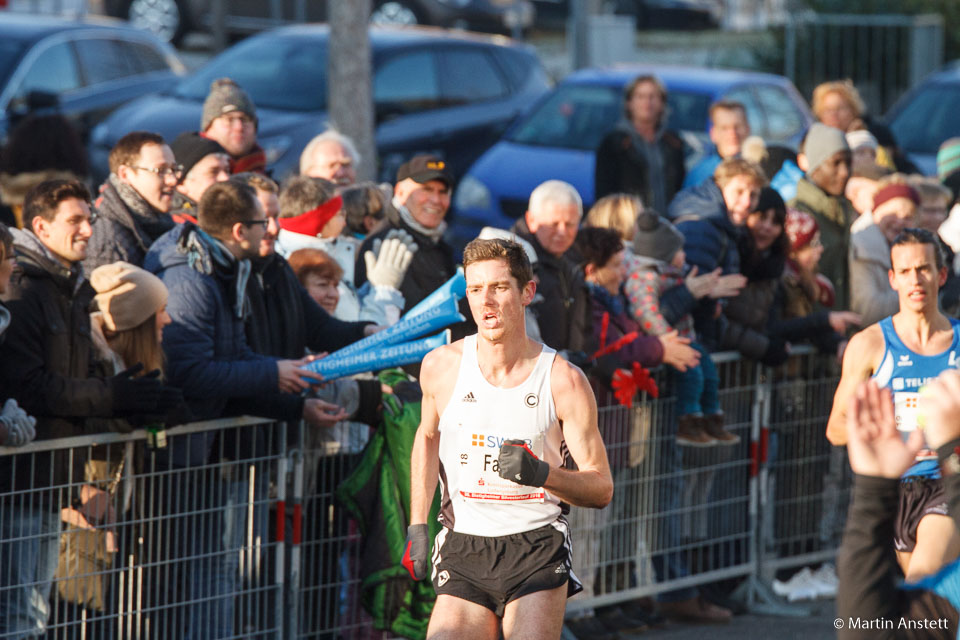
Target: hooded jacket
710,241
46,363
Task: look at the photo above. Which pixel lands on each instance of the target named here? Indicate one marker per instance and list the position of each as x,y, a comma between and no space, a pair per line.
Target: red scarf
312,222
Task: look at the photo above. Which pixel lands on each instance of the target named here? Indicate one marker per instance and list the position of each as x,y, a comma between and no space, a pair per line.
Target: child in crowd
661,266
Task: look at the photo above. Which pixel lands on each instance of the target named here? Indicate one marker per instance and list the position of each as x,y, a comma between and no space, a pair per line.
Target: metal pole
219,25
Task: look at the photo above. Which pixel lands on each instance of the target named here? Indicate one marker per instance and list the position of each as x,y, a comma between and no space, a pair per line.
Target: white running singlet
478,418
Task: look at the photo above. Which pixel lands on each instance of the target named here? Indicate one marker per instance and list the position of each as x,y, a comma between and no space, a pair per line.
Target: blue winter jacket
710,241
205,345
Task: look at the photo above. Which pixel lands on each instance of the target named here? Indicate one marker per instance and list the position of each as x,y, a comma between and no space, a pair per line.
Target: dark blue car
558,138
434,91
81,68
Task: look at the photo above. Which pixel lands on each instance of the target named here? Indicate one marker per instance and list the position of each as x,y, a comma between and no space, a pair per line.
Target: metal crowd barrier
255,545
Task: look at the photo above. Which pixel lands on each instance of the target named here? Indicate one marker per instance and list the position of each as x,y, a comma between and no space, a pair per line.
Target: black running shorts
919,497
492,571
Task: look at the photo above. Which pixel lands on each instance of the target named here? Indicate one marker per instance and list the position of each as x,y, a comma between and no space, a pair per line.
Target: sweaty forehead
486,271
905,256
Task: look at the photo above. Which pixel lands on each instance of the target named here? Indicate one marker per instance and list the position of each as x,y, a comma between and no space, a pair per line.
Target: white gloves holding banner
387,264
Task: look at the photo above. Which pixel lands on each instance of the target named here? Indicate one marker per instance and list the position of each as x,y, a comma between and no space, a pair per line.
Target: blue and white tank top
905,372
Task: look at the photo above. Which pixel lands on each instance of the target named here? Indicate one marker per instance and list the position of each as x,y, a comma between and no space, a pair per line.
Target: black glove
519,464
135,395
776,353
415,551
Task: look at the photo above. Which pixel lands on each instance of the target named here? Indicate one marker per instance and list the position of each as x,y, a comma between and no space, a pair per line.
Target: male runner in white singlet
904,352
499,414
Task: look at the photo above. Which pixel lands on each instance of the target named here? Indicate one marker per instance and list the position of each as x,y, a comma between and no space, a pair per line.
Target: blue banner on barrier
392,356
455,286
442,314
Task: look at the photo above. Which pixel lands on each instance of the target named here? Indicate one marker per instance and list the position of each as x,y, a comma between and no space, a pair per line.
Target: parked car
558,138
649,14
926,116
83,69
450,93
171,19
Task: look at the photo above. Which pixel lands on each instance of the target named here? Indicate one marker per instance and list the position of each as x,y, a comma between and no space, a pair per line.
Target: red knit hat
800,227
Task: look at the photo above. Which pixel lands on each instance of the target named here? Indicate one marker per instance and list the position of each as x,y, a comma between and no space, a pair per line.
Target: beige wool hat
127,295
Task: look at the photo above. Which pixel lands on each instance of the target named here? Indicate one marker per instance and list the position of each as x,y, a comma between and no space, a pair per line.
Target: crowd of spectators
192,286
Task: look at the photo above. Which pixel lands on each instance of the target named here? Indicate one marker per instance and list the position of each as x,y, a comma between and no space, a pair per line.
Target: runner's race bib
906,411
480,471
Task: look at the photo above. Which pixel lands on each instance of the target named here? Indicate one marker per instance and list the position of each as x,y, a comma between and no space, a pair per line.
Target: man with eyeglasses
134,204
230,117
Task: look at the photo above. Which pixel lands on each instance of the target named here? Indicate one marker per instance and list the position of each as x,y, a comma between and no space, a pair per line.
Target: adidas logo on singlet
469,397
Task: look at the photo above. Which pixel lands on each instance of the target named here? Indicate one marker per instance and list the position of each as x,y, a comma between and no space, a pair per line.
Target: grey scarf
435,234
209,256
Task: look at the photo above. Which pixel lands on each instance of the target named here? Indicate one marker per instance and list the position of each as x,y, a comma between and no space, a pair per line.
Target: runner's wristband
949,456
519,464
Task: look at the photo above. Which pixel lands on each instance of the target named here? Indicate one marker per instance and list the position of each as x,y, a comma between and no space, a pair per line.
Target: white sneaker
784,589
826,575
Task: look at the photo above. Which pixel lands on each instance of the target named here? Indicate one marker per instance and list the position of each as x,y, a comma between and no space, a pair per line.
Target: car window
277,73
102,60
10,53
928,119
53,71
407,81
469,76
784,120
578,116
745,96
145,57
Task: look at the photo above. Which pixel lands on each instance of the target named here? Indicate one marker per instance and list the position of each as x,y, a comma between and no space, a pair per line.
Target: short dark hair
478,250
300,194
43,199
726,105
913,235
224,204
597,245
6,242
127,149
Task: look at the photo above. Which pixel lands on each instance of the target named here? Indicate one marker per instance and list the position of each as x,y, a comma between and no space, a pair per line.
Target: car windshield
10,53
928,119
578,116
277,73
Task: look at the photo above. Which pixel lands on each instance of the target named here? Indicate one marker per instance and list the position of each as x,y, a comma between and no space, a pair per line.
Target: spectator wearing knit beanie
230,117
204,162
826,160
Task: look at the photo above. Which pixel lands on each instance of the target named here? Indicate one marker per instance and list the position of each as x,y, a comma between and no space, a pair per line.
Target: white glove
389,260
21,428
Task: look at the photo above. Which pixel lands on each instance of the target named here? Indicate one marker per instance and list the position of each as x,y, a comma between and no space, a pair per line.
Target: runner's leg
536,615
455,619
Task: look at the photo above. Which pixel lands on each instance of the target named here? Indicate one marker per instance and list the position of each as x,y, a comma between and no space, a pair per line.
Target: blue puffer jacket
205,344
710,241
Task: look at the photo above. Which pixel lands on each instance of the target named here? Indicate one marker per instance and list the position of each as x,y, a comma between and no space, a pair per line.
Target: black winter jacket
621,168
47,364
564,311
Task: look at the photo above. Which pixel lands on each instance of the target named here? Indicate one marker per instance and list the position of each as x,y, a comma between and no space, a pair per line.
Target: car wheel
165,19
394,13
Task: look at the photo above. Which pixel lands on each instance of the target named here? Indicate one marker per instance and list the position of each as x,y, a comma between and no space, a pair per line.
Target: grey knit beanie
821,143
656,237
225,96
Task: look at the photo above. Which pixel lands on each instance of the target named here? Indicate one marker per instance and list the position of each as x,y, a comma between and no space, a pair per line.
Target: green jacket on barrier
834,215
377,495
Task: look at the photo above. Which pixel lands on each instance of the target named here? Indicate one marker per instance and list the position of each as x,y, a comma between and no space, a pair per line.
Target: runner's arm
859,363
425,458
592,484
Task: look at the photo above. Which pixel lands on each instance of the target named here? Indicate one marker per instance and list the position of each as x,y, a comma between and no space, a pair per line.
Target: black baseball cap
424,168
